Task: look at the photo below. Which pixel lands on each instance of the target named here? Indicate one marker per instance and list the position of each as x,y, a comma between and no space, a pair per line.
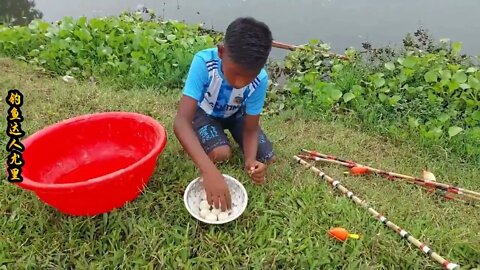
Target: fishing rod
290,47
363,169
360,170
403,233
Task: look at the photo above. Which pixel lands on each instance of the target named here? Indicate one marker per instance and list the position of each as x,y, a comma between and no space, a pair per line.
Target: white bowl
195,193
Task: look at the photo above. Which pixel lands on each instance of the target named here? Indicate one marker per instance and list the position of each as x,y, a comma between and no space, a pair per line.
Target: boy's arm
215,186
250,138
184,132
254,107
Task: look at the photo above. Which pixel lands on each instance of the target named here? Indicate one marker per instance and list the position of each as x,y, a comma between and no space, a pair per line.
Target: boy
226,89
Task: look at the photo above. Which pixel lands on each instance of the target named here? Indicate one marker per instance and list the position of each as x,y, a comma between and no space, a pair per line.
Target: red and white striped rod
419,181
440,191
404,234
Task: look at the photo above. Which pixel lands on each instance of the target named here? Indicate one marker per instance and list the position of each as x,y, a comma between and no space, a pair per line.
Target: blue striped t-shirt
207,84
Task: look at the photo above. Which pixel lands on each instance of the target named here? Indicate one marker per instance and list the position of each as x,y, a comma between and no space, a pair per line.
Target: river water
341,23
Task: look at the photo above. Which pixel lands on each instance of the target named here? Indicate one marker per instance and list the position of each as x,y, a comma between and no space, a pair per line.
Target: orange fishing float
341,234
359,170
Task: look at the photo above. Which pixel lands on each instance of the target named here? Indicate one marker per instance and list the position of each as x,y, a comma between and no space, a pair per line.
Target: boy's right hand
217,190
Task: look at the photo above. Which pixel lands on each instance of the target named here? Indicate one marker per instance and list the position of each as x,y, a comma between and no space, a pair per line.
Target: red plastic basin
91,164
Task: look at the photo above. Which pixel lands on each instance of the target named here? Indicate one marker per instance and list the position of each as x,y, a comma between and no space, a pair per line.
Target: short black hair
248,42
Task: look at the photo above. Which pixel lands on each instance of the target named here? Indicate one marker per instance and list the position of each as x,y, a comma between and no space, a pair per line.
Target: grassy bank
285,223
400,110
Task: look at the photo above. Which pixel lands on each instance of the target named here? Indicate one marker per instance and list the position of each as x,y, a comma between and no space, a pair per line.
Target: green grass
286,221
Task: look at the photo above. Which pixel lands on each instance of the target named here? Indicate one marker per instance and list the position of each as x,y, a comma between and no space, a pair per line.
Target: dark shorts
210,132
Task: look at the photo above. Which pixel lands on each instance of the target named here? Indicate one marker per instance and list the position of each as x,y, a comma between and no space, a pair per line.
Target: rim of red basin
158,147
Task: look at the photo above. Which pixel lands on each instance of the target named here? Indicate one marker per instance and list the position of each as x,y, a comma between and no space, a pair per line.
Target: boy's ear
221,50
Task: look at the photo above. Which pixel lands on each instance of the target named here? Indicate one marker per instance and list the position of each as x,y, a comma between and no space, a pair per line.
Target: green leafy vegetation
431,93
127,49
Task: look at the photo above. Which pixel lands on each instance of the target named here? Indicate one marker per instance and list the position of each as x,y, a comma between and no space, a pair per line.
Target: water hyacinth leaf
434,133
348,96
470,102
409,62
444,117
357,90
310,77
390,66
410,90
445,74
474,82
476,115
400,60
67,61
384,90
137,54
335,94
472,70
456,47
413,122
325,46
82,21
379,82
38,24
460,77
394,100
453,85
402,77
431,76
50,34
337,67
382,97
294,88
409,72
107,50
97,23
453,131
34,52
393,83
83,34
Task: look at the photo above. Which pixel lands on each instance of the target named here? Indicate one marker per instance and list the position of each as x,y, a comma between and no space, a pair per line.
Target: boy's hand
217,190
256,170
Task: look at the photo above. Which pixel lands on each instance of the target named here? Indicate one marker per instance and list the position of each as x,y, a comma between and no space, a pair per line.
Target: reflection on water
18,12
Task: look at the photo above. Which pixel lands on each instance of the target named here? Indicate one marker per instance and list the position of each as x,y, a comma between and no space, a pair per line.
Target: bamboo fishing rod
403,233
290,47
440,191
416,180
285,46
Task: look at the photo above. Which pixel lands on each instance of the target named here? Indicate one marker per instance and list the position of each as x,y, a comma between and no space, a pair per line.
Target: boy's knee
269,161
220,154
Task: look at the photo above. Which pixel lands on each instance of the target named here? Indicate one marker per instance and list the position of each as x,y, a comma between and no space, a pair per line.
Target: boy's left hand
256,170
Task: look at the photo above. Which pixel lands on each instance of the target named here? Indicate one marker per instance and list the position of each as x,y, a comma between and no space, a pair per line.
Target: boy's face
236,75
